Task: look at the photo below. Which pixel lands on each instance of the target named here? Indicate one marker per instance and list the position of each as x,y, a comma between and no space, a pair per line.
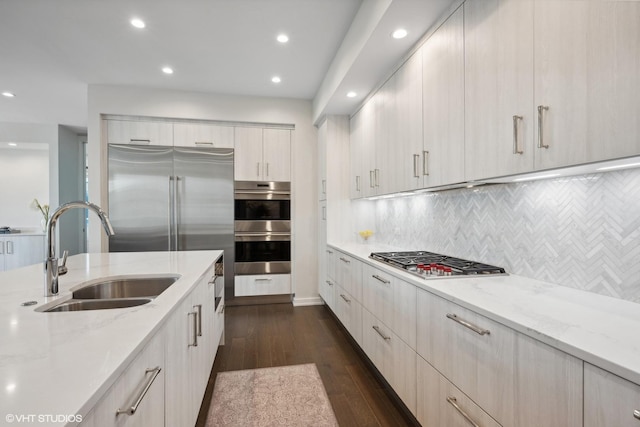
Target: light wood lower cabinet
395,360
517,380
440,403
18,251
349,312
348,272
147,370
262,284
609,401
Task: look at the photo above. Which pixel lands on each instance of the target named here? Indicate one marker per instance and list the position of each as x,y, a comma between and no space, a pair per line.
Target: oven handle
259,237
262,195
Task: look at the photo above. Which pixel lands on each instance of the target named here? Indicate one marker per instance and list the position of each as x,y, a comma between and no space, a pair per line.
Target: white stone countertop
598,329
64,362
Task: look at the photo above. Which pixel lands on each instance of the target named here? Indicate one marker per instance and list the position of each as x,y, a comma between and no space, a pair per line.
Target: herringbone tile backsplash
582,232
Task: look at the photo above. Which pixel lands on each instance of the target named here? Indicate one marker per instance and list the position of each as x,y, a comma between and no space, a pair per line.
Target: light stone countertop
595,328
63,363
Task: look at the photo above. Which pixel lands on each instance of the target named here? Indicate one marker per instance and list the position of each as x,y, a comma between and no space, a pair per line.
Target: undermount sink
114,292
97,304
132,287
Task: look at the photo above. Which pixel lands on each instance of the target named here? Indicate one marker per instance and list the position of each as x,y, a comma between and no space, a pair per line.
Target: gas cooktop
430,265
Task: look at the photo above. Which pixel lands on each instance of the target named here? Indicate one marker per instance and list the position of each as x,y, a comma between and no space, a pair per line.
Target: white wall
105,99
24,175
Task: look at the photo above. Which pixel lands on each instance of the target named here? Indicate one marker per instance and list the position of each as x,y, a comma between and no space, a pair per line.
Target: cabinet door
586,82
443,103
440,403
609,401
499,111
368,147
322,161
139,132
386,154
202,135
277,154
349,275
122,395
356,161
407,141
248,154
20,251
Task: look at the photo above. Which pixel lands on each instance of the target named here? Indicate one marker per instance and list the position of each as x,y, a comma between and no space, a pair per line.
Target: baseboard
301,302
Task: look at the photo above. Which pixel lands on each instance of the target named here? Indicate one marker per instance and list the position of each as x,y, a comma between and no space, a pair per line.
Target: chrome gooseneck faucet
51,262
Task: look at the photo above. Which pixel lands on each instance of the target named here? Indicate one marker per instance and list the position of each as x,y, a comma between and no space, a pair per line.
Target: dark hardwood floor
279,334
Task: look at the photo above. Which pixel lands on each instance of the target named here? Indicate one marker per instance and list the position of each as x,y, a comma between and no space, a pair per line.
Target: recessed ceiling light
282,38
167,70
352,94
12,144
8,94
138,23
400,33
275,79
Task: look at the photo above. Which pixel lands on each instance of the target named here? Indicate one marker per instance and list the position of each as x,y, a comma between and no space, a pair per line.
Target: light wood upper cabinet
443,103
609,401
139,132
586,74
499,109
262,154
362,145
202,135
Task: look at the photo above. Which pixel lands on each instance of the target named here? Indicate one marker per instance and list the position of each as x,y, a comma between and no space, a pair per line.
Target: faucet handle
62,269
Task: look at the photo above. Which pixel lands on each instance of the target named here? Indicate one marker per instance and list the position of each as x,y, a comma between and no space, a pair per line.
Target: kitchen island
57,366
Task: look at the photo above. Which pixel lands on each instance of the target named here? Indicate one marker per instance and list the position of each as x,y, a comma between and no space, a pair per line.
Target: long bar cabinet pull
345,298
357,182
452,400
377,175
198,308
267,169
139,141
385,281
425,163
541,110
377,329
636,414
416,161
133,407
516,149
209,143
478,330
258,169
329,251
329,282
195,329
345,260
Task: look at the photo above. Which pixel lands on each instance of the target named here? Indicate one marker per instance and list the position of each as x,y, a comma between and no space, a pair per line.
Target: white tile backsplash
582,232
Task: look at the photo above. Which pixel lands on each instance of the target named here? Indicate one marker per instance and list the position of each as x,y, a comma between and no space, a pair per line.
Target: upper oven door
262,201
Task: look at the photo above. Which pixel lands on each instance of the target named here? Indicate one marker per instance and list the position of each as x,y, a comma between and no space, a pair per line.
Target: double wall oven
262,227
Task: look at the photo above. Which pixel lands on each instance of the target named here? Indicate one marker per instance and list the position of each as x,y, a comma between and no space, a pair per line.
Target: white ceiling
51,50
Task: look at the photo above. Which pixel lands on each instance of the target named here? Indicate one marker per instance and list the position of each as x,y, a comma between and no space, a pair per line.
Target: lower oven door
263,253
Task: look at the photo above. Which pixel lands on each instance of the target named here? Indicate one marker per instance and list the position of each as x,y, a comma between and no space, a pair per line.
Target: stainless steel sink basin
131,287
99,304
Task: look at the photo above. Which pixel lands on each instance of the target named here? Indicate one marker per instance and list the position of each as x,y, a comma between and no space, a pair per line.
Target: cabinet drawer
202,135
265,284
391,300
609,401
130,386
395,360
327,292
349,312
139,132
440,403
479,361
349,274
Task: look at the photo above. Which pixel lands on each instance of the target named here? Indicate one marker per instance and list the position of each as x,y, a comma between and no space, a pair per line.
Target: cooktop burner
429,264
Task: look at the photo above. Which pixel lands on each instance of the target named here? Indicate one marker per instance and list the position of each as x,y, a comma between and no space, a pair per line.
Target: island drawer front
263,284
609,401
129,389
440,403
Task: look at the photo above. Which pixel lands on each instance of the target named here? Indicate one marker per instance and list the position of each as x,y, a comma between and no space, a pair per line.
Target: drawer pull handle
377,329
203,143
329,283
198,308
385,281
541,110
131,409
478,330
345,260
263,280
329,252
195,329
636,414
139,141
345,298
454,403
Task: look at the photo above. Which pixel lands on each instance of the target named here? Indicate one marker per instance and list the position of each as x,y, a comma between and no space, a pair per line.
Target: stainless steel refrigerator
172,199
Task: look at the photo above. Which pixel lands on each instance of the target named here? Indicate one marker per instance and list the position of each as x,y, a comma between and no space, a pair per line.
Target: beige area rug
281,396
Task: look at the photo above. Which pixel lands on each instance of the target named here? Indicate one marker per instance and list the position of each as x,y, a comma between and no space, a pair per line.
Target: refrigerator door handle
176,212
171,205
